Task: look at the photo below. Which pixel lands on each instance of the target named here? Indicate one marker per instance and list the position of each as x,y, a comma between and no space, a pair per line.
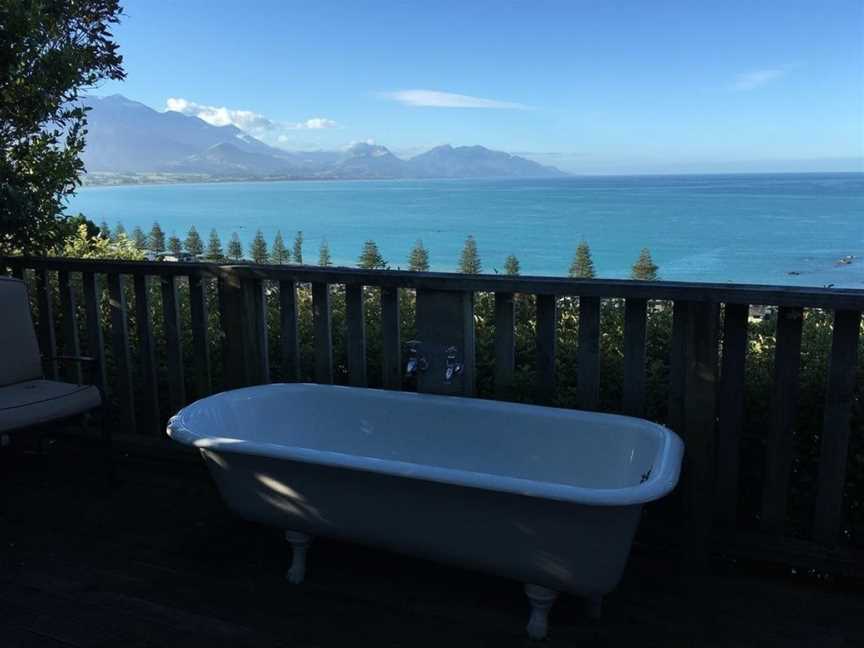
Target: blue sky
591,86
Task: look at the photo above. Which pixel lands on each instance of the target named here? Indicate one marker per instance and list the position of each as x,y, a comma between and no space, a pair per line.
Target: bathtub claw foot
541,599
299,545
594,606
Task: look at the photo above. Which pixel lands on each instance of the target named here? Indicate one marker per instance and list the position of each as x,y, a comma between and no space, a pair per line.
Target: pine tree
214,247
582,266
511,266
138,238
156,240
418,260
644,269
324,258
193,243
298,248
469,263
370,257
174,245
258,249
105,231
118,231
235,248
279,253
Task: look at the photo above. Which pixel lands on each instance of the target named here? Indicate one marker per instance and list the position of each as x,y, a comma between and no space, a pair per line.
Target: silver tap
416,360
453,368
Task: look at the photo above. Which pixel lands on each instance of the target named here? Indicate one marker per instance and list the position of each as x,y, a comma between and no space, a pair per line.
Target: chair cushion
41,401
19,350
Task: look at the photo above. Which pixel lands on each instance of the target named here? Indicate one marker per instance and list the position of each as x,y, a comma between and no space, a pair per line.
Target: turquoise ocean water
725,228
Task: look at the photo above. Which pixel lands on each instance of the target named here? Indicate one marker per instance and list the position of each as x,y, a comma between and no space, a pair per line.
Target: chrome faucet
453,368
416,360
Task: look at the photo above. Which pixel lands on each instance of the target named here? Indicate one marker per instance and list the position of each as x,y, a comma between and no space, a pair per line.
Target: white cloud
436,99
757,78
255,124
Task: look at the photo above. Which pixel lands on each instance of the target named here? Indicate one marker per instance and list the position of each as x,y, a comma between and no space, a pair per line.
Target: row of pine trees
582,266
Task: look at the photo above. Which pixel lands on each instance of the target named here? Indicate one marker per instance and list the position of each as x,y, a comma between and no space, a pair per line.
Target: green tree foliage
258,248
214,247
324,258
582,266
511,266
193,243
235,248
139,238
298,248
156,239
105,230
279,253
85,245
51,53
175,247
469,262
644,269
118,231
418,260
370,257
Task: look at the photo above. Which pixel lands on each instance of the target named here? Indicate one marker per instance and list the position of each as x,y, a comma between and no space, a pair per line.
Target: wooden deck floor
158,561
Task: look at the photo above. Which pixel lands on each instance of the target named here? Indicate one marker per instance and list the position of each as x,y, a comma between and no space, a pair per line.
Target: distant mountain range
126,137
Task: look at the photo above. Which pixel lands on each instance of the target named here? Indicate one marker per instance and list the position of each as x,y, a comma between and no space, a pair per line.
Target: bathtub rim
663,479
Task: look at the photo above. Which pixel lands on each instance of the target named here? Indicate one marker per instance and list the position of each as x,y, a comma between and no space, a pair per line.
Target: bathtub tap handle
453,368
416,361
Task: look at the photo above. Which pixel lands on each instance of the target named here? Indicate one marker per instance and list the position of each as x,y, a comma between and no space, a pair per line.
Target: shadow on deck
159,561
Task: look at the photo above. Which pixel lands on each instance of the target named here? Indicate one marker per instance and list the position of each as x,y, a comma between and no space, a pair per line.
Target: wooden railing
706,362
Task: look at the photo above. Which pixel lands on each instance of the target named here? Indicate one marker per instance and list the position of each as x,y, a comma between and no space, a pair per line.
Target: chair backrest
19,350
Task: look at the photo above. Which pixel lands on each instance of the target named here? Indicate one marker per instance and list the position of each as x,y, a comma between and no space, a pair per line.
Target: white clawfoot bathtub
548,497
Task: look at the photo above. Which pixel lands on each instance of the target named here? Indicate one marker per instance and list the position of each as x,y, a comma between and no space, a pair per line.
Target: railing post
784,407
547,319
392,346
505,345
322,333
288,330
173,344
840,393
200,320
120,338
95,339
355,319
241,311
635,341
731,412
70,326
588,354
147,349
47,339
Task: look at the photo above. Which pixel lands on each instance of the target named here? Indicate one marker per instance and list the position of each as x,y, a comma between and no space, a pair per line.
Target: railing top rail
831,298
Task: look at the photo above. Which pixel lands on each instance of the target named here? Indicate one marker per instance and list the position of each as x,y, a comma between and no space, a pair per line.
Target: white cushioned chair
27,400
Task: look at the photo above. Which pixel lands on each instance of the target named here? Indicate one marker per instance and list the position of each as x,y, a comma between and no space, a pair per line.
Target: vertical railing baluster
47,339
505,345
588,354
288,330
392,346
547,316
120,346
839,396
635,344
323,341
200,334
95,340
258,294
71,345
784,406
677,365
173,343
730,412
147,349
355,320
